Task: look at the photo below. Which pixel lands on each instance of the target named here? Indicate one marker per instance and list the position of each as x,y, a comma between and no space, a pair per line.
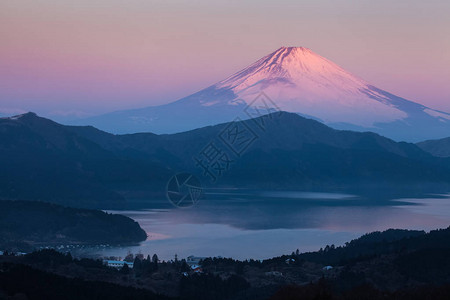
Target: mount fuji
296,80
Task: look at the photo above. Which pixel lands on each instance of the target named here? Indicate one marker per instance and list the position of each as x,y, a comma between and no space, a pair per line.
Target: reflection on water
265,224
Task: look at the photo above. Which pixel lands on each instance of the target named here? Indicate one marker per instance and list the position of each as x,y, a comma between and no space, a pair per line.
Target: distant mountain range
439,147
86,167
297,80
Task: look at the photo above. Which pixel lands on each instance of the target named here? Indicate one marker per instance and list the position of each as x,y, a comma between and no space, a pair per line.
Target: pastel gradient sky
88,57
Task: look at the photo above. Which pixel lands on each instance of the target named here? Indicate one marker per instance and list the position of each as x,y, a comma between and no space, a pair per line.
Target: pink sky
89,57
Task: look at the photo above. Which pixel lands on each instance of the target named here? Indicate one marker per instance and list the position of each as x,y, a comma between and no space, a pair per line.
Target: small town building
117,263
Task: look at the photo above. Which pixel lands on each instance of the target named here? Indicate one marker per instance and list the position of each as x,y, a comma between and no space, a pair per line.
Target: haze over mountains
297,80
439,147
86,167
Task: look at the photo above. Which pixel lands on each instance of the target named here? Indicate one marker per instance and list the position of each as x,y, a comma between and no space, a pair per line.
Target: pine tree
155,262
125,270
155,258
137,264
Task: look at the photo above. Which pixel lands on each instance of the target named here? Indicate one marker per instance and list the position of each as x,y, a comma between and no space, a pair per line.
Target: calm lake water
258,225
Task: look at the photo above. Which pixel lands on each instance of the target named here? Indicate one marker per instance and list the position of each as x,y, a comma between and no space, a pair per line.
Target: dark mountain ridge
440,148
84,166
43,160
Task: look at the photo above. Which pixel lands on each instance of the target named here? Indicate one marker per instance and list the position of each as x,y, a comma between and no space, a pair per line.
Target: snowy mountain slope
302,81
296,80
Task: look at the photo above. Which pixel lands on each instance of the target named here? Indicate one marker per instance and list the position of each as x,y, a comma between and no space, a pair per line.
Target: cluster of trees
53,258
324,290
30,283
211,287
372,245
231,262
143,267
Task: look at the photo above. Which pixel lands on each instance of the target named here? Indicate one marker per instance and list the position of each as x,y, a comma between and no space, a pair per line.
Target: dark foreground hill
394,264
28,224
24,282
85,167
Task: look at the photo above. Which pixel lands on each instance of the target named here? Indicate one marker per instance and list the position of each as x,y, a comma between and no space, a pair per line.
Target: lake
262,224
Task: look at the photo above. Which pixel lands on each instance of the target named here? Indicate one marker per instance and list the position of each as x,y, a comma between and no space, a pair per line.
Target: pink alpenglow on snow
297,80
304,82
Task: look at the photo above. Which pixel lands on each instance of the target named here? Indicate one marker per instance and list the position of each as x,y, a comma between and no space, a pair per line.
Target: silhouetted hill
290,151
43,160
440,148
23,282
34,223
287,131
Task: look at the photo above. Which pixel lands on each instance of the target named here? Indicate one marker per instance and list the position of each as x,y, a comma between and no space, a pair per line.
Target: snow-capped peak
292,63
299,80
